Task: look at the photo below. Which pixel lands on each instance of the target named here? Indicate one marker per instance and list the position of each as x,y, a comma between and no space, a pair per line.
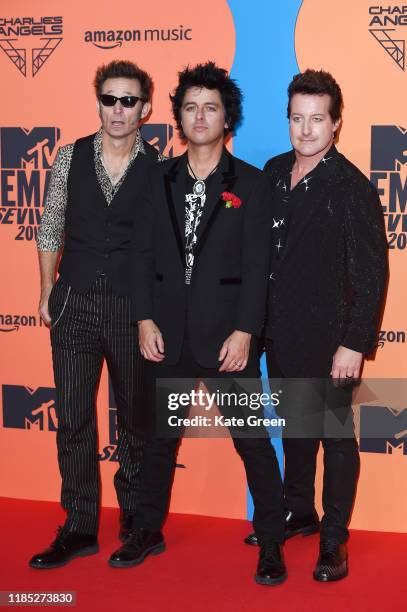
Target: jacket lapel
174,182
223,180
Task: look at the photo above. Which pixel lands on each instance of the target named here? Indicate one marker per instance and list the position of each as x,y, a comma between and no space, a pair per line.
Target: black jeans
262,470
341,454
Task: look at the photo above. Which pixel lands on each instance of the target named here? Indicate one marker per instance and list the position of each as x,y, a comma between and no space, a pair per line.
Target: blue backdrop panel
264,64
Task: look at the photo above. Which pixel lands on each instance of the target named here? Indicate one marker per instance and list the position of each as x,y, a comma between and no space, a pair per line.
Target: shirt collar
138,146
324,167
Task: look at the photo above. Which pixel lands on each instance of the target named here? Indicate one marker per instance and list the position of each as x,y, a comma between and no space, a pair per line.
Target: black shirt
289,204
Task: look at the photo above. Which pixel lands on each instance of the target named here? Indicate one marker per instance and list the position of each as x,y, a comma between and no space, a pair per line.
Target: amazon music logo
110,39
383,430
391,336
386,26
12,322
27,408
29,42
388,173
25,170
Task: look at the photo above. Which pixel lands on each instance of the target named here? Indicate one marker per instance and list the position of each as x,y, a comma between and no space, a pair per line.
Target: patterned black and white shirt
194,207
51,231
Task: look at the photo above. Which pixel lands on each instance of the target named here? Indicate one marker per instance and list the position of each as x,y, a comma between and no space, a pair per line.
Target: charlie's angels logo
386,26
29,41
26,408
388,167
26,159
383,430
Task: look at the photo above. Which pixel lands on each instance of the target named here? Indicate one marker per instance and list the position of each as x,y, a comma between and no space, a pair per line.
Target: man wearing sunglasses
94,189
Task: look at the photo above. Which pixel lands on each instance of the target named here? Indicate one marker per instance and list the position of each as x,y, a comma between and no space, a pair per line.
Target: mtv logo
388,147
26,408
394,450
159,135
383,430
34,149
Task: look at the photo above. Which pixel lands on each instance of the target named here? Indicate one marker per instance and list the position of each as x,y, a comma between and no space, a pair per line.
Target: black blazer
330,282
229,279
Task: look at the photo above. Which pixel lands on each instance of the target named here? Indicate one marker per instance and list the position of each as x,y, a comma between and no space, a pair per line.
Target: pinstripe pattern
94,326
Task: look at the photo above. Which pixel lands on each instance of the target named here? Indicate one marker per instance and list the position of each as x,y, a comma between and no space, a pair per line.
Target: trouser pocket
57,301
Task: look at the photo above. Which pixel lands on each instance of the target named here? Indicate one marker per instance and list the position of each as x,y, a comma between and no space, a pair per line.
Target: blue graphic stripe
264,64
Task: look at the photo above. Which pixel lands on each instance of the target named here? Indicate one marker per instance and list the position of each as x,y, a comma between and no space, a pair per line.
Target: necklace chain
115,176
207,176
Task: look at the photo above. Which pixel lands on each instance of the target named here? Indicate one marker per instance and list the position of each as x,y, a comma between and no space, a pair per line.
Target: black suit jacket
330,282
229,279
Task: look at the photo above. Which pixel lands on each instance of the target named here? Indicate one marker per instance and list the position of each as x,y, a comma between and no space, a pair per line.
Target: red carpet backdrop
48,55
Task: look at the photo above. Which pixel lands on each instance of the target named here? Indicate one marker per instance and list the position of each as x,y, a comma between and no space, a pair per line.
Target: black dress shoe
139,544
332,562
66,546
271,569
126,525
305,525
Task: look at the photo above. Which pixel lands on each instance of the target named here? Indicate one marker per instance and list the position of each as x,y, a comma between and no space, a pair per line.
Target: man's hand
43,306
150,340
48,261
235,352
346,364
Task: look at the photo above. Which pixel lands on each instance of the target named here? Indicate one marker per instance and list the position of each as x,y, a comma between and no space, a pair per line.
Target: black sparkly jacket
328,286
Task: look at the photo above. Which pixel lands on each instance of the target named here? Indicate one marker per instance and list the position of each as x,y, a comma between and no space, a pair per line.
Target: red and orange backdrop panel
48,55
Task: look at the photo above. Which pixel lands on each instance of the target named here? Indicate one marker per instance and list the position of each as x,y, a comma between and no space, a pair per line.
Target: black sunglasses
126,101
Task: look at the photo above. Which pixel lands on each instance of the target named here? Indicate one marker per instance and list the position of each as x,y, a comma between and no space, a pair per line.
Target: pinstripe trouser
87,328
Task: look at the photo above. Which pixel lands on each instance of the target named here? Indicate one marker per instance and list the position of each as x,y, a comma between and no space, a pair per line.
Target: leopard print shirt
51,231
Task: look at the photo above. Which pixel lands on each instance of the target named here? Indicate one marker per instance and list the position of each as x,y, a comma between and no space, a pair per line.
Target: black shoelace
270,551
329,546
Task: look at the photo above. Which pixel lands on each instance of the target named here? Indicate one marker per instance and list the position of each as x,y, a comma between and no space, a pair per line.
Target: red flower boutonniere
231,200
